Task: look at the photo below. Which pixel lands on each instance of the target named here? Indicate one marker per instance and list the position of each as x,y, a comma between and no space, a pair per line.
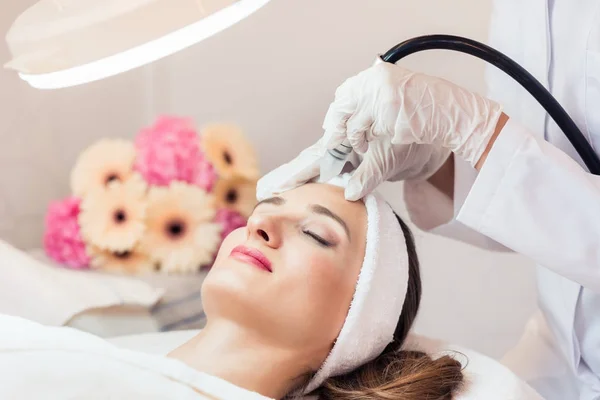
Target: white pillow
485,378
41,292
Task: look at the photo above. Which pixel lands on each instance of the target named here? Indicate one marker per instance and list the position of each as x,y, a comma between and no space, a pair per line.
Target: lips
251,256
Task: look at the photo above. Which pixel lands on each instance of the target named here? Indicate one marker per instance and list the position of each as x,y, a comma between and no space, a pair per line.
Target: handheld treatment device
335,159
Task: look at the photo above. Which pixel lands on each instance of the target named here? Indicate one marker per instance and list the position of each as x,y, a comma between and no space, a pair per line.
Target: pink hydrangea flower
170,151
229,220
62,238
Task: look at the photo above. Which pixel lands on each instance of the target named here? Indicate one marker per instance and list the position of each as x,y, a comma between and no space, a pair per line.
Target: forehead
352,212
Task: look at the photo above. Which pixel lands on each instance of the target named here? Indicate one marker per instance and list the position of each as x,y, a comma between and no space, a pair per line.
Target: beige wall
41,133
275,74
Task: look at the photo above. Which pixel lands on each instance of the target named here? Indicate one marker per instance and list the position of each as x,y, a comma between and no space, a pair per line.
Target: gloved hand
389,101
385,110
382,162
385,161
300,170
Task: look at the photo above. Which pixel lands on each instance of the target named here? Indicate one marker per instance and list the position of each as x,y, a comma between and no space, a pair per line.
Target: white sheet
44,293
38,362
59,363
486,378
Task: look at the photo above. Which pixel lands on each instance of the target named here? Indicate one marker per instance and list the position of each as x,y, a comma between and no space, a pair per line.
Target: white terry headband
378,298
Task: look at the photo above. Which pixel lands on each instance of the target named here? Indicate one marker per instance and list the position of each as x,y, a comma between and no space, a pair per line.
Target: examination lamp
62,43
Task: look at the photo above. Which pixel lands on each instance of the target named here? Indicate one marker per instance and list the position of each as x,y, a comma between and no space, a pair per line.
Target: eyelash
317,238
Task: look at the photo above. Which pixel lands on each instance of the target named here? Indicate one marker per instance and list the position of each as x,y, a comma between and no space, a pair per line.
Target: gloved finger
335,129
335,121
358,127
286,177
365,178
405,139
299,175
303,168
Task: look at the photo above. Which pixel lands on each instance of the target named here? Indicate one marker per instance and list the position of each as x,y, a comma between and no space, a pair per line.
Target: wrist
499,126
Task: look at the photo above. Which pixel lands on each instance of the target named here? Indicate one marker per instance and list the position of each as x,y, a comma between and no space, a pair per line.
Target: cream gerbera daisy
103,162
130,262
181,235
236,194
112,218
228,149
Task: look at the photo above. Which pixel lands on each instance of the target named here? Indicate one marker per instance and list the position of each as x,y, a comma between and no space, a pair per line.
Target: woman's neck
230,352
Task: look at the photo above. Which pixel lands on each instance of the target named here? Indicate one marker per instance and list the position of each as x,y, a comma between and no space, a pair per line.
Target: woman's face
291,273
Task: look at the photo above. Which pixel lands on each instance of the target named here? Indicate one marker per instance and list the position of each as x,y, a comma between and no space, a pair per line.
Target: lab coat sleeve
432,211
531,197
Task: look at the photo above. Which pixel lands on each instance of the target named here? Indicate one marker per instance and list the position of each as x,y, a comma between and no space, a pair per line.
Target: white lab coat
531,196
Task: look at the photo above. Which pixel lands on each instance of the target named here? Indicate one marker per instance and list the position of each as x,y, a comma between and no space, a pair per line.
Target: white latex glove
305,167
403,124
407,107
383,161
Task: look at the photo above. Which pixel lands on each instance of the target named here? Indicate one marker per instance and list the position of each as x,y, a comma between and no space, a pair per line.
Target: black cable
518,73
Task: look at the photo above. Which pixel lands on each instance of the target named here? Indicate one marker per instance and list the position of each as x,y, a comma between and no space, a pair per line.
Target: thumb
335,121
357,128
365,178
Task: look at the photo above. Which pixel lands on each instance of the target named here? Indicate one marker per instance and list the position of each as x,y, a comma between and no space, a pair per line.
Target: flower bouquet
163,202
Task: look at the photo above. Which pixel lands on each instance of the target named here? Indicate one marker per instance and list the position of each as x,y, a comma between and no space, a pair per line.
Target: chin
228,290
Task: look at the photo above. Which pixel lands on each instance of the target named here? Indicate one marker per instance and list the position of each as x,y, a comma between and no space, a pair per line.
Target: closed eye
317,238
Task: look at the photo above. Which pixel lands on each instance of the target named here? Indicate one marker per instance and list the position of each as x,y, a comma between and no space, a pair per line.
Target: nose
266,229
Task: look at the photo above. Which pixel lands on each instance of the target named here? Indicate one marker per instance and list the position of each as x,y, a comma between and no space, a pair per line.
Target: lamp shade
61,43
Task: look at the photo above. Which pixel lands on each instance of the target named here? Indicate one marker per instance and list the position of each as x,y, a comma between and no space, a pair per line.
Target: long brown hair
399,374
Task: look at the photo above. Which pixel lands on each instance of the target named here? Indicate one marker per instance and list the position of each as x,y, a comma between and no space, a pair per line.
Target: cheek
327,290
323,275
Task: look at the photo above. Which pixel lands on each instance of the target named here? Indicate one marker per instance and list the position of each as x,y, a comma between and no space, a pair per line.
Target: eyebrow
315,208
